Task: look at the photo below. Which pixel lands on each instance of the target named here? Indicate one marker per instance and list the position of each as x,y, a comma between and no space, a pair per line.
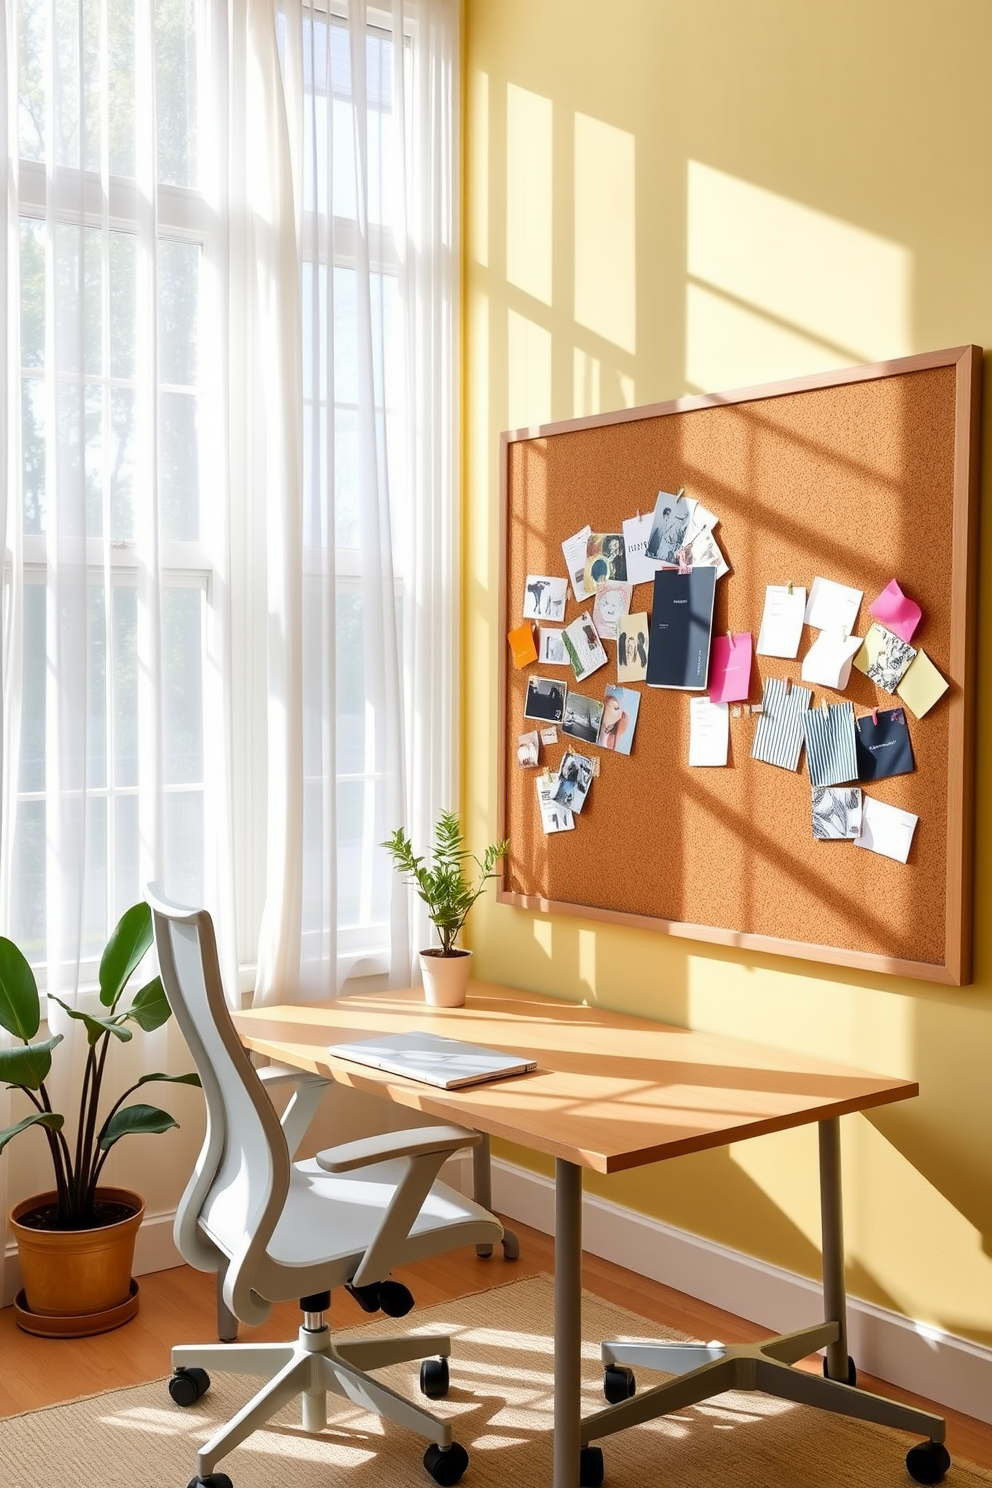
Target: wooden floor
178,1307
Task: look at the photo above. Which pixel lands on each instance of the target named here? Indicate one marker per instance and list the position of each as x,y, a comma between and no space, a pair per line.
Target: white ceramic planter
445,977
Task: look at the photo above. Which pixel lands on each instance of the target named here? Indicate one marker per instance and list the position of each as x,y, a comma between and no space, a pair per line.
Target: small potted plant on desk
449,894
76,1242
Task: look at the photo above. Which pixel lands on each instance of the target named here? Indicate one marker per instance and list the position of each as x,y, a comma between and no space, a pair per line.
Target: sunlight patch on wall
543,936
586,391
777,288
587,960
528,192
605,232
478,165
528,372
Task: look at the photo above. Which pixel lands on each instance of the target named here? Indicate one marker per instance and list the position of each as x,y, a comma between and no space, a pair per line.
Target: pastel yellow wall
663,196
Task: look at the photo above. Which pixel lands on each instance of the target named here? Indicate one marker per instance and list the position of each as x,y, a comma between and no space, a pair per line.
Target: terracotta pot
68,1273
445,977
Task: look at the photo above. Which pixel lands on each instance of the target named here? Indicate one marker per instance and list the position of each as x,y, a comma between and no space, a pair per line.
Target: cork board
860,475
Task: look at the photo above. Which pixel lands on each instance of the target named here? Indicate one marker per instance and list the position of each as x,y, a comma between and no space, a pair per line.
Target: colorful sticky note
896,611
522,646
921,686
730,667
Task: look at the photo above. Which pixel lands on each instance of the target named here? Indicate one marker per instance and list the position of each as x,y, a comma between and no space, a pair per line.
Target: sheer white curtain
115,640
362,554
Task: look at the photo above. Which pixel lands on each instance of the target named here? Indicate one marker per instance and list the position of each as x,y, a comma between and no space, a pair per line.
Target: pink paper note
896,612
730,668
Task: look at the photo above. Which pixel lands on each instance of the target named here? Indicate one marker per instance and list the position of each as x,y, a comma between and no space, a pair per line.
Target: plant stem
87,1078
87,1182
58,1150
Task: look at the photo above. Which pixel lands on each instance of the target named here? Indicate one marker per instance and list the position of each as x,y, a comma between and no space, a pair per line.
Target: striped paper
778,739
830,749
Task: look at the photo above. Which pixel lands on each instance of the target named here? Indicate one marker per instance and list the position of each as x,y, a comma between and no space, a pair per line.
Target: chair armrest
415,1141
306,1097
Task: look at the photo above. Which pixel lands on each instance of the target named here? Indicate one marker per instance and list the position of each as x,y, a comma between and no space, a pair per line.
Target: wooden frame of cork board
860,475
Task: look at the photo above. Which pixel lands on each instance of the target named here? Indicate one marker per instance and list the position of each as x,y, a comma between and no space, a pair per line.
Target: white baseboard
941,1366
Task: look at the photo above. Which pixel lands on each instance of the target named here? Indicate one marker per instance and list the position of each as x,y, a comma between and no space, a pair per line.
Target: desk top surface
610,1091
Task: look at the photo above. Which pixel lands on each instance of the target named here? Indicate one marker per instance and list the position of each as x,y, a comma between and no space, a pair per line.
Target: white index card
833,606
782,620
574,551
709,732
886,829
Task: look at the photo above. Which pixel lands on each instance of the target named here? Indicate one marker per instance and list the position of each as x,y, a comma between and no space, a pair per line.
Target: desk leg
832,1230
568,1322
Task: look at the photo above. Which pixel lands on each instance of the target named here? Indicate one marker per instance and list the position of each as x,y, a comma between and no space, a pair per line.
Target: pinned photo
584,648
612,605
574,551
669,526
545,699
554,816
544,597
619,716
836,813
606,560
574,780
528,747
884,657
582,717
550,650
632,648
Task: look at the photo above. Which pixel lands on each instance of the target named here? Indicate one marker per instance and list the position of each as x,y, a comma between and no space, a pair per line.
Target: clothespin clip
874,716
747,710
683,558
789,588
638,518
680,493
730,638
825,705
735,711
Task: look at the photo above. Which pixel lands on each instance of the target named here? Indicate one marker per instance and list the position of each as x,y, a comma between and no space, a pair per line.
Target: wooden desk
610,1092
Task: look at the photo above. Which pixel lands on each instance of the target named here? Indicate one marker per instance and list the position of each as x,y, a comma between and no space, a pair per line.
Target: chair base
705,1370
312,1368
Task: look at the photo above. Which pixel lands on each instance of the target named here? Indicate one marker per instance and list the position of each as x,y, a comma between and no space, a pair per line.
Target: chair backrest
241,1180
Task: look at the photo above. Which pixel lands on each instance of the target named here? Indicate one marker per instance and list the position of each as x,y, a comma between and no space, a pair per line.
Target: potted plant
76,1242
449,893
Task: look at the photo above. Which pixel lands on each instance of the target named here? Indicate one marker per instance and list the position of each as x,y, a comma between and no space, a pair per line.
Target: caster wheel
446,1467
187,1385
852,1373
591,1467
395,1299
511,1246
618,1383
367,1297
928,1462
434,1380
215,1480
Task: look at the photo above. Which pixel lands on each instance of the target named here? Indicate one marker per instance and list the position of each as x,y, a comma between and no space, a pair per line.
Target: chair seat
302,1238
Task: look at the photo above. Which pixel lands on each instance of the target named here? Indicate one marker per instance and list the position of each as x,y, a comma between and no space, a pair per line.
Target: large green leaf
135,1120
95,1027
29,1065
150,1008
40,1118
131,938
20,1008
192,1078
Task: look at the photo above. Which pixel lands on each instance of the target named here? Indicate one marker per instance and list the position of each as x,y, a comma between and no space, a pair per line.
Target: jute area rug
500,1403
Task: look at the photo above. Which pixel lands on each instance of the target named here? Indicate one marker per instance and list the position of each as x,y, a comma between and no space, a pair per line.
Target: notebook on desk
445,1062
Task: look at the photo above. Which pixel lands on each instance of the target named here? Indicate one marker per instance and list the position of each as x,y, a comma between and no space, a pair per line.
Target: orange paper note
522,645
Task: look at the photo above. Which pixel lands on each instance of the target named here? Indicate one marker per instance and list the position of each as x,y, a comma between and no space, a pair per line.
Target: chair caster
511,1246
928,1462
591,1468
187,1385
390,1297
215,1480
852,1372
618,1383
446,1465
434,1378
395,1299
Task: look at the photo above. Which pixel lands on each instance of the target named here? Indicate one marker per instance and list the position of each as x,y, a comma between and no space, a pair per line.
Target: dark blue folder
681,627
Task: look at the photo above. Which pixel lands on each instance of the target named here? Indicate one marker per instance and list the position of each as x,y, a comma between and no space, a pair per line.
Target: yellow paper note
922,686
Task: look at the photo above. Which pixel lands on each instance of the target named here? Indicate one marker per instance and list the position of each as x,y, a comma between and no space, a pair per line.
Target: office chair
280,1230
